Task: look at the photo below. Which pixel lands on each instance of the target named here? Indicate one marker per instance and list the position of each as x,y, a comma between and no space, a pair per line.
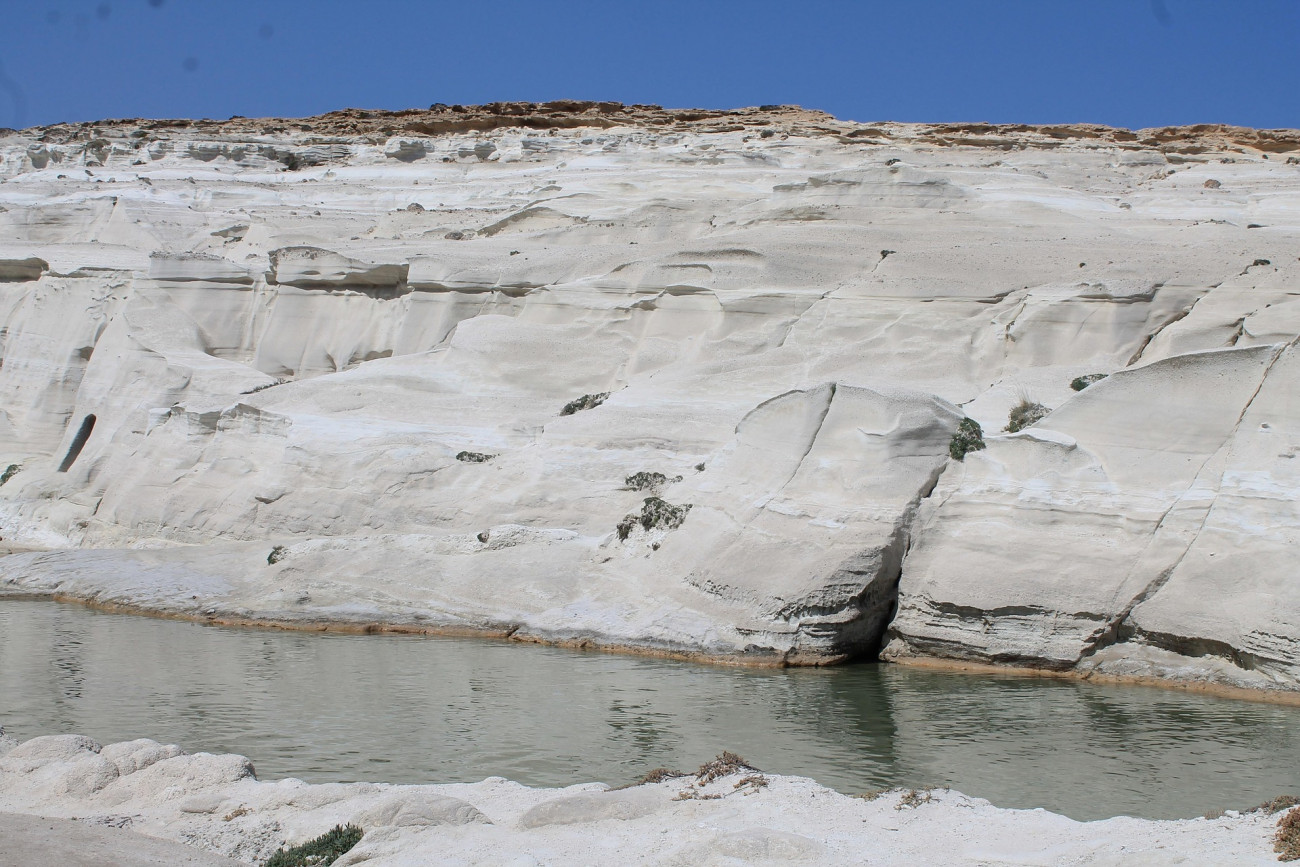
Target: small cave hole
78,443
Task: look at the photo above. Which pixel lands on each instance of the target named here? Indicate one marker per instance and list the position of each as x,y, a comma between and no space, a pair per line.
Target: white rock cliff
679,382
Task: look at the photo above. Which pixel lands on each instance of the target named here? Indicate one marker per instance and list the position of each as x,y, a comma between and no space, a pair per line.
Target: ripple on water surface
405,709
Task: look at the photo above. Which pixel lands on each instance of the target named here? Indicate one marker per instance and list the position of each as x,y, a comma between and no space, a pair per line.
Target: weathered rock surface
240,360
732,815
35,841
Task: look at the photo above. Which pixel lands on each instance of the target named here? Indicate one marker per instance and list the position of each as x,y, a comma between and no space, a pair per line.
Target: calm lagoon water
410,709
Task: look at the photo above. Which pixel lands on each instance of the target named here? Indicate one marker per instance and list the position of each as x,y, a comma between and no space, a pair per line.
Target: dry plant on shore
658,775
914,798
725,765
1286,842
1278,804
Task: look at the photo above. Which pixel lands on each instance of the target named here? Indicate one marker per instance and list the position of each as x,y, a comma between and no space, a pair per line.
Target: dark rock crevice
78,443
855,630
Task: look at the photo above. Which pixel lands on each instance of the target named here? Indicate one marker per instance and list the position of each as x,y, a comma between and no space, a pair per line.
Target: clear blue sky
1130,63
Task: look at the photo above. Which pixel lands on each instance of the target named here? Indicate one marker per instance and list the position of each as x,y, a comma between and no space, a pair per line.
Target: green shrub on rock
643,481
1079,383
587,401
656,514
277,554
968,438
10,472
662,515
473,457
624,527
320,851
1024,414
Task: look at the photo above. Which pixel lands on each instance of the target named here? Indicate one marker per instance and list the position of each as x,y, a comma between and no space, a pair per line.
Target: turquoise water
408,709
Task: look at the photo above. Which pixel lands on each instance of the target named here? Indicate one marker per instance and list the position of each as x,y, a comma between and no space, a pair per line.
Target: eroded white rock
724,820
249,341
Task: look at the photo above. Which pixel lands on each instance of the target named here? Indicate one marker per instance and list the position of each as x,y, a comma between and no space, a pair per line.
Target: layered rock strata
676,381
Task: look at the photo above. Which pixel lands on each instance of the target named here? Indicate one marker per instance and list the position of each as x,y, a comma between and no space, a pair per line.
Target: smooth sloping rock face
239,365
35,841
1232,596
1055,535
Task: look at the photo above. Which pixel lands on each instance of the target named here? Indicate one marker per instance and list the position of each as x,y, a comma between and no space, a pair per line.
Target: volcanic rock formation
243,362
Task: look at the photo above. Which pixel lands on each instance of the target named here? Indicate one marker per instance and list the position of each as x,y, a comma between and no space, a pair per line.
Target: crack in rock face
467,366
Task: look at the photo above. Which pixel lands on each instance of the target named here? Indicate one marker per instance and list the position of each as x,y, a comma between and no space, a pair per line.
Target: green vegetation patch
587,401
10,472
1024,414
474,457
1079,383
968,438
644,481
320,851
656,514
278,553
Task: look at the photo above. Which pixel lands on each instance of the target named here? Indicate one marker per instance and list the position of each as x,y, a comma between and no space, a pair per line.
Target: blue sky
1130,63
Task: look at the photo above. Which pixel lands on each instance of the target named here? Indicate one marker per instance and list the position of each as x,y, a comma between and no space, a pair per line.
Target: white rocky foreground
681,382
727,816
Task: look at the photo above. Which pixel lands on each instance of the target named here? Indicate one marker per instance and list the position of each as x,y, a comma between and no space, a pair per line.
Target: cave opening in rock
78,442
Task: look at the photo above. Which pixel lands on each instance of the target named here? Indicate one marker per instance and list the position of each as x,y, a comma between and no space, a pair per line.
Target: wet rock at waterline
722,813
388,372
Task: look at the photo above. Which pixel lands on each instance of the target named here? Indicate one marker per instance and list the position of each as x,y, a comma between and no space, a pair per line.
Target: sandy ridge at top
440,119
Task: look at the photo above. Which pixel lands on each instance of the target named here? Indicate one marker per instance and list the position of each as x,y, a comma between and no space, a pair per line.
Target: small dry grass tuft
723,766
1024,414
873,795
1277,805
658,775
1286,842
914,798
690,793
